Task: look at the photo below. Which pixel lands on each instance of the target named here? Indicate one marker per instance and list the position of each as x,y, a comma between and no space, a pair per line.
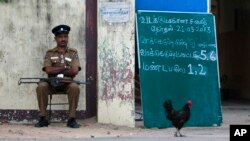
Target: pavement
131,139
234,112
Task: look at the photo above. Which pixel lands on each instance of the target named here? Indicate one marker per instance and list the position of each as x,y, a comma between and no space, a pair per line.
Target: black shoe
72,123
43,122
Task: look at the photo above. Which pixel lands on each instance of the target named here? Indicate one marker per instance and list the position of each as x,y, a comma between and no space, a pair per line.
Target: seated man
60,61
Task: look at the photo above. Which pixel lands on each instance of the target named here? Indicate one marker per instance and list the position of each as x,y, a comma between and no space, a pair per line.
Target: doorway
233,32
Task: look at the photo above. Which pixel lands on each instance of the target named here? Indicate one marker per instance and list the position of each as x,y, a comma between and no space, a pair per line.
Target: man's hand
66,70
54,70
72,71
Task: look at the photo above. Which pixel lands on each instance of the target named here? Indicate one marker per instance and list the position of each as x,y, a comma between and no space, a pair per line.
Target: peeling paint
116,70
116,73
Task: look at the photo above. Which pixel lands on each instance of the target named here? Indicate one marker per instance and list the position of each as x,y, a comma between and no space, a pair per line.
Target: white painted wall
25,35
116,47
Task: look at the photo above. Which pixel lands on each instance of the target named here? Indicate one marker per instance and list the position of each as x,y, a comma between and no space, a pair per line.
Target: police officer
62,62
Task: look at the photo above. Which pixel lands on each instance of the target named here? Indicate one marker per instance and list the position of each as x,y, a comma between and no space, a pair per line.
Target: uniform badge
55,57
68,59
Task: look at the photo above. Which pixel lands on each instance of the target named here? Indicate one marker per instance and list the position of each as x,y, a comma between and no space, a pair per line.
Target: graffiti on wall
116,72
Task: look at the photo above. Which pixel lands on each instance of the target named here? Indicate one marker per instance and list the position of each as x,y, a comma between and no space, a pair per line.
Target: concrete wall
116,69
25,35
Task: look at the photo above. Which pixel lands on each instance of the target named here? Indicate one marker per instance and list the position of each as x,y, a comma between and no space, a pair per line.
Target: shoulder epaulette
72,49
51,50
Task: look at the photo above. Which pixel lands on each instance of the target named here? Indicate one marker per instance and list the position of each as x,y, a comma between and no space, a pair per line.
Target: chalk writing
204,55
161,29
206,45
182,45
173,42
163,25
166,54
173,54
168,42
197,70
163,20
163,68
177,28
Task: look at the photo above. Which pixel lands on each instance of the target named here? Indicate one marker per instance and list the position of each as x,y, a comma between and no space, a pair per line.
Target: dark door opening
233,33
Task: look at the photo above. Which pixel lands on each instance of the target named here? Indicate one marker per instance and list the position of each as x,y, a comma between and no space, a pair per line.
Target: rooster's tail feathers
168,105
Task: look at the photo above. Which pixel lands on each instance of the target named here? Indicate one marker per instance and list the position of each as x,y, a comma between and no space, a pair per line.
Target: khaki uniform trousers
43,90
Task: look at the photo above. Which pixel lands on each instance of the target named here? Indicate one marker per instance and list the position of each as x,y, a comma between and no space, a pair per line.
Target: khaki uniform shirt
55,59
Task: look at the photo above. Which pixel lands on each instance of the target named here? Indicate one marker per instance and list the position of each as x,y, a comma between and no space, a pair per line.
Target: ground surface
233,113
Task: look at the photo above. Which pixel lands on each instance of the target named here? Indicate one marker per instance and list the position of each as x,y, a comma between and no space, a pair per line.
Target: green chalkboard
178,60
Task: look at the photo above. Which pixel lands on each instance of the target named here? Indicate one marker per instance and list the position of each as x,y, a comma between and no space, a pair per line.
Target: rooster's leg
181,135
175,134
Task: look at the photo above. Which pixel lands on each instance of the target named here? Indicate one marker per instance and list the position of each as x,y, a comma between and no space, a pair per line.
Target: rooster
178,118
